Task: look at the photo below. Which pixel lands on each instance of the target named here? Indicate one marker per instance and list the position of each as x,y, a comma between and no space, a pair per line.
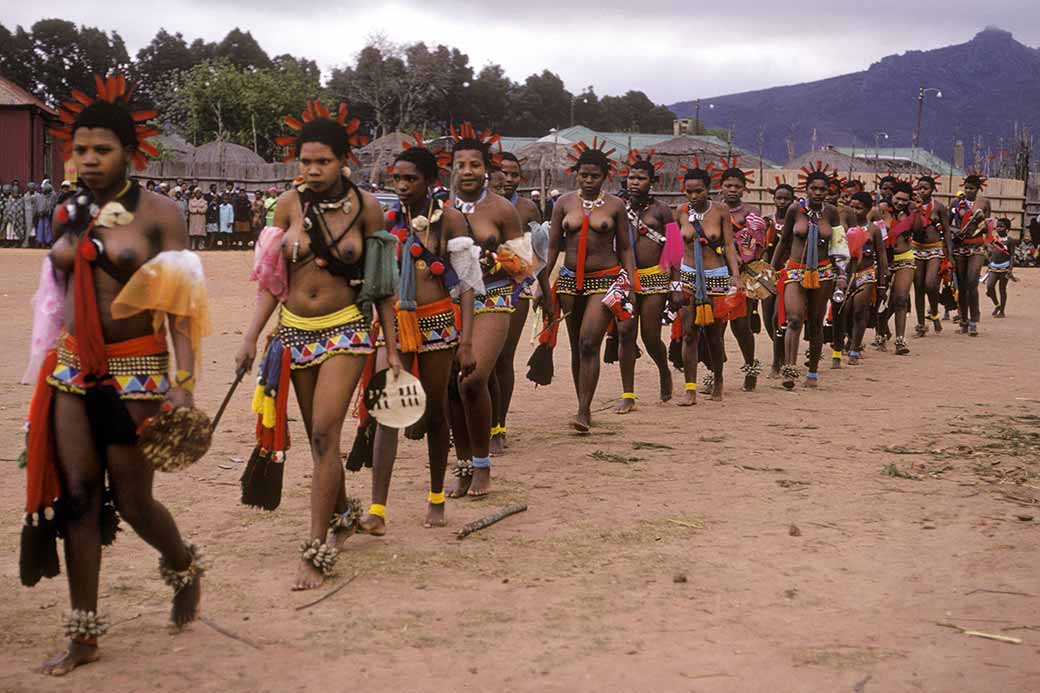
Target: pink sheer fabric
269,267
672,252
48,315
751,238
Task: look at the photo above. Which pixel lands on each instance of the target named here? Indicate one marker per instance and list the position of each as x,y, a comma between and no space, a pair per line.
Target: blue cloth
1000,265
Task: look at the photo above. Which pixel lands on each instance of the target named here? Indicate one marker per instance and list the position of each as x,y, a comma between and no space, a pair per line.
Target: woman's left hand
179,397
393,362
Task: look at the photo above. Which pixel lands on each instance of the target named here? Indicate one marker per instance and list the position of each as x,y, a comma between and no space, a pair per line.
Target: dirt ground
837,540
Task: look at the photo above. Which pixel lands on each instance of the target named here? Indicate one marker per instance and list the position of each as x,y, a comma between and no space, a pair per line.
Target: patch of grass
611,457
895,472
645,445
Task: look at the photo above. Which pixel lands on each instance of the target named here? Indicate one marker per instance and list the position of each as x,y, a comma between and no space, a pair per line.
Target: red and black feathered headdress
899,179
728,162
816,167
635,156
315,109
115,91
417,142
487,138
713,172
977,174
597,146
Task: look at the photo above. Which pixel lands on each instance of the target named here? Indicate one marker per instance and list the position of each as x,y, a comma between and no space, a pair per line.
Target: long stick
490,520
327,594
552,324
239,374
224,631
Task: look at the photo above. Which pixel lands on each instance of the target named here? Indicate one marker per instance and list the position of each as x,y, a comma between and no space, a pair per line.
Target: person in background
259,217
29,214
7,237
243,211
197,206
536,198
43,208
269,203
212,192
212,218
1001,262
227,221
182,201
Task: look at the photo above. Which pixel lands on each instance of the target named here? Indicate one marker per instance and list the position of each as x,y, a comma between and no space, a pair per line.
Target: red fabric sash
583,243
42,486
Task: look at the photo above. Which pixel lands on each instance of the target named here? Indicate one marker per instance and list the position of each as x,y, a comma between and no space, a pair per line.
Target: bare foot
434,516
835,363
497,445
750,383
186,603
367,524
716,389
481,485
581,423
689,399
624,405
811,382
307,577
774,373
666,385
463,473
75,654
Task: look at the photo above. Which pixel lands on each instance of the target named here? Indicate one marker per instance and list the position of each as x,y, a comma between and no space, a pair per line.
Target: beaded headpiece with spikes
466,131
115,91
727,162
597,145
714,173
635,156
315,109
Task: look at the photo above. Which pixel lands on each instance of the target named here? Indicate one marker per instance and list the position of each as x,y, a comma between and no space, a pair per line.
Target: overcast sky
671,50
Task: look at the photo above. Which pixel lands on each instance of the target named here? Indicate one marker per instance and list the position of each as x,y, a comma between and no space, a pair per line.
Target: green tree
17,59
164,56
540,104
242,50
218,100
68,57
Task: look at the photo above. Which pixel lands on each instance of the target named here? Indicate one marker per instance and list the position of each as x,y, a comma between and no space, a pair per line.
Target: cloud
676,51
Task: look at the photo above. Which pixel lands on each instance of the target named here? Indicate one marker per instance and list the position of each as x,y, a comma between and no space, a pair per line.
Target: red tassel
93,360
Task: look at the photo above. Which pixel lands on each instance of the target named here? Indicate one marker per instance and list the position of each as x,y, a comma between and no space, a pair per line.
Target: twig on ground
327,594
1016,594
227,633
681,523
980,634
489,520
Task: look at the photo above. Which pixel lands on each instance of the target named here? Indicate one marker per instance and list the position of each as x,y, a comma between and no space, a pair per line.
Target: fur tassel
704,315
417,431
362,450
675,353
811,279
610,350
109,522
540,365
38,555
262,480
408,335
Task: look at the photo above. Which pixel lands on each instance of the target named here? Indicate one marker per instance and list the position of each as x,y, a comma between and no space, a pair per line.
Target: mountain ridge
989,84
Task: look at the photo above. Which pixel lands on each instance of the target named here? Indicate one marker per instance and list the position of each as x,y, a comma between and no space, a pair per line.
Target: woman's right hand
245,356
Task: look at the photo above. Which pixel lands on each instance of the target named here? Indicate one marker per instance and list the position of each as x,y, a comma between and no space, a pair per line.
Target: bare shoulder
156,205
615,202
528,208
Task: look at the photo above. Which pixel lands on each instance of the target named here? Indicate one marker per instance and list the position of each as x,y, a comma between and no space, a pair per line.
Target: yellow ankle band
628,395
835,354
691,387
435,498
377,510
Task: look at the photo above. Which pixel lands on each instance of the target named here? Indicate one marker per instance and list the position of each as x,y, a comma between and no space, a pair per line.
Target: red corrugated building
26,148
